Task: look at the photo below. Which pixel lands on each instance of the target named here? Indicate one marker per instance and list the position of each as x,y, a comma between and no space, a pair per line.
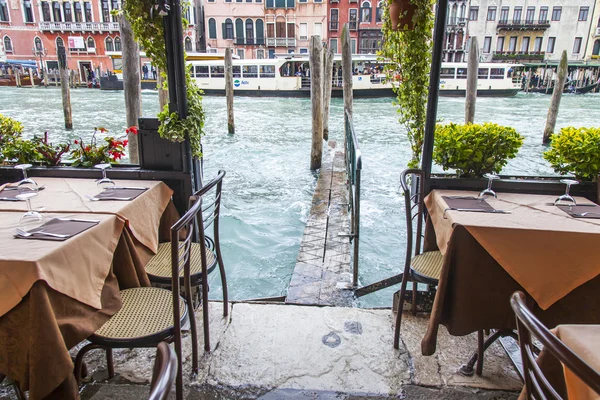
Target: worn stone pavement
276,351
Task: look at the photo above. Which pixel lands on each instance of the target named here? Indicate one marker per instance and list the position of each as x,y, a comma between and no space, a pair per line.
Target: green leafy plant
148,30
22,151
473,149
575,151
48,153
110,150
10,131
409,55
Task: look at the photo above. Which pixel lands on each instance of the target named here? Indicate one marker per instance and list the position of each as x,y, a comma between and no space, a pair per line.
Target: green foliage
149,32
473,149
109,150
48,153
10,131
22,151
409,54
576,151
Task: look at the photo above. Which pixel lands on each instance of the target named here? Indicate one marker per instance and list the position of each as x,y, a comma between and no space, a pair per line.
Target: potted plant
401,14
109,150
575,151
408,53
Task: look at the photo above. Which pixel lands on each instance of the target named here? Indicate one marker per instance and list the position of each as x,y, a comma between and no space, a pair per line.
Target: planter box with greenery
158,153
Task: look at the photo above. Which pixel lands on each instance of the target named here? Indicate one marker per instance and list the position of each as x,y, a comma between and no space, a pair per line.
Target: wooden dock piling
132,88
64,84
229,90
556,96
347,74
472,76
316,96
31,81
327,86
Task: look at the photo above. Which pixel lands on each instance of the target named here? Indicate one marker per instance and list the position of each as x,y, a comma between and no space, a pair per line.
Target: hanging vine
148,30
409,55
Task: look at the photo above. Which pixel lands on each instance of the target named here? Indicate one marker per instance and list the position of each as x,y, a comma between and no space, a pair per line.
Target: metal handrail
353,163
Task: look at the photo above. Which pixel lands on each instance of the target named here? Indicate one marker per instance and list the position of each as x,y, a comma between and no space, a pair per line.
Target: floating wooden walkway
323,274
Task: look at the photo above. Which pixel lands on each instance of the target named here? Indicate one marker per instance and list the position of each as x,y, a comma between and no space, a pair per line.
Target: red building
32,30
364,19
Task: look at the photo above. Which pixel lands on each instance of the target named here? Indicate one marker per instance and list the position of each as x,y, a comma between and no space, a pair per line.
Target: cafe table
537,248
56,293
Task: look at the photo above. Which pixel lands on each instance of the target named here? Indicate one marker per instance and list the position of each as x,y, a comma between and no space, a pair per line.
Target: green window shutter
290,4
270,4
212,28
224,30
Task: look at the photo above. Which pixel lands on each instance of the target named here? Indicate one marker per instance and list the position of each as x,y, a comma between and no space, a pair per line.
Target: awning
24,63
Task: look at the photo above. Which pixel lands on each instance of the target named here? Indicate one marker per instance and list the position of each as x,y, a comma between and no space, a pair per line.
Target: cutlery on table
23,233
130,188
9,199
478,210
17,188
585,214
78,220
92,198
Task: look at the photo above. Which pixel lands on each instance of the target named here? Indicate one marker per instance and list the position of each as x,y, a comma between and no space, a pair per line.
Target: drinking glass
567,197
105,185
31,219
24,168
488,191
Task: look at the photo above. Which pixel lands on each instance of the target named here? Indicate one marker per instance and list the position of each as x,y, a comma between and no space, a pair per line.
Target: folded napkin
60,226
469,203
9,195
128,193
582,211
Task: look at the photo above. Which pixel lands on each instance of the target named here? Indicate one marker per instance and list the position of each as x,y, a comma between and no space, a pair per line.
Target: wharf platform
278,351
323,274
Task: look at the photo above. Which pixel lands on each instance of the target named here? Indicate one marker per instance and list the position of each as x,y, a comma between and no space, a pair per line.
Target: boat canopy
24,63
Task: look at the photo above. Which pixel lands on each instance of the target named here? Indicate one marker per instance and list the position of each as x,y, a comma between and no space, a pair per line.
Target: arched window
365,12
105,11
188,44
60,42
228,29
117,43
90,43
463,11
67,11
27,11
109,44
87,6
379,12
212,28
596,50
78,14
8,44
239,31
56,11
453,14
249,31
260,31
46,15
37,43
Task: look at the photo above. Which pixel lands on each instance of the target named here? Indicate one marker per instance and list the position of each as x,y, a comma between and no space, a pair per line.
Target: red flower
76,142
125,142
101,129
132,129
88,148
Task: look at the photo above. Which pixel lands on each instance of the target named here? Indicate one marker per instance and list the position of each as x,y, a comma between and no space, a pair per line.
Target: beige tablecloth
584,340
141,215
76,267
545,250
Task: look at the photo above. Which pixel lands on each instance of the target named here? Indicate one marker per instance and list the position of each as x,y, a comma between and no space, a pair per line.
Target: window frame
491,13
30,8
366,13
504,14
487,45
4,11
500,40
584,12
530,10
544,13
556,13
118,44
517,12
108,47
550,46
577,45
214,25
10,48
473,13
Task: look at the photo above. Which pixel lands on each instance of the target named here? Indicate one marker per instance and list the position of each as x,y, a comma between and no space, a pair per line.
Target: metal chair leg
79,360
205,316
109,363
223,278
192,316
480,353
414,298
399,313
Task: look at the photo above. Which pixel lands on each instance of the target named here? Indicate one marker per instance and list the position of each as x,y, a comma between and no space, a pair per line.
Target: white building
532,30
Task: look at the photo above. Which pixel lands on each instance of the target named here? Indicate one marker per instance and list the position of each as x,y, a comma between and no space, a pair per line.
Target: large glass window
583,13
543,15
517,14
491,13
105,11
201,71
115,6
91,44
353,19
109,44
333,45
497,73
577,45
500,44
8,45
67,11
447,73
267,71
217,71
56,12
461,73
4,16
487,44
473,13
78,13
46,15
260,33
334,19
117,44
228,29
556,13
249,31
550,46
504,15
250,71
379,12
530,15
482,73
28,11
512,44
365,12
537,44
239,31
212,28
525,44
87,6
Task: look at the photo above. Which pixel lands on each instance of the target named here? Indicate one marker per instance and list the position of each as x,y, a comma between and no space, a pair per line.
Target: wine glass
24,168
105,185
567,197
488,191
31,219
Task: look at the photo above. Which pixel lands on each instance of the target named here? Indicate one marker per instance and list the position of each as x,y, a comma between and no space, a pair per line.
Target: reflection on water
268,187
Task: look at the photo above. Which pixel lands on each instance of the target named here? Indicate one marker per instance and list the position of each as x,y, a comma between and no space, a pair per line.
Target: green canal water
268,187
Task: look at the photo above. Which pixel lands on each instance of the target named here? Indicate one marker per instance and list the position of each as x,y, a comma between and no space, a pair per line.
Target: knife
9,199
78,220
479,210
130,188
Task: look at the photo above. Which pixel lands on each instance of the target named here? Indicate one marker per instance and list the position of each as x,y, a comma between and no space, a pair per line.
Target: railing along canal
353,170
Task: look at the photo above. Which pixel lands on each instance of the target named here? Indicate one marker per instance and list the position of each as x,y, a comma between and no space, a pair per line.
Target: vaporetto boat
290,77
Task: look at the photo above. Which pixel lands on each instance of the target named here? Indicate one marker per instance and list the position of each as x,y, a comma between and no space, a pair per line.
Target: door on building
84,70
271,53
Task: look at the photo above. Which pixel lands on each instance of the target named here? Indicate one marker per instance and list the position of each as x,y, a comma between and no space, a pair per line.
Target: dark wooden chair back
536,384
413,203
165,371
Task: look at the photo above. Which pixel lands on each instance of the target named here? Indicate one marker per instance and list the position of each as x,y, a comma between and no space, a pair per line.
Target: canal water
268,187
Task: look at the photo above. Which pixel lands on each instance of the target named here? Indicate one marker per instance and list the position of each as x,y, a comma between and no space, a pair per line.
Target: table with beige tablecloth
56,293
537,248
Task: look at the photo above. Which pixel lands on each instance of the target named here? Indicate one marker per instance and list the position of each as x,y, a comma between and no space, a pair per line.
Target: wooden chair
165,372
204,251
536,384
152,315
420,267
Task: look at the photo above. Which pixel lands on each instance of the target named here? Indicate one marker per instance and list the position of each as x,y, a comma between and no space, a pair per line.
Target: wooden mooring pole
31,81
472,75
346,74
229,90
556,96
64,84
316,96
17,77
327,85
131,84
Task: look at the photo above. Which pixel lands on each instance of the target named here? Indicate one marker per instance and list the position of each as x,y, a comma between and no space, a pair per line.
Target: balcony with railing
333,25
518,56
523,25
456,21
281,42
79,26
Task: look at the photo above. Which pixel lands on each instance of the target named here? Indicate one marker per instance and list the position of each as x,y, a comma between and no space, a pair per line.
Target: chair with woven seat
152,315
420,267
159,267
165,372
536,384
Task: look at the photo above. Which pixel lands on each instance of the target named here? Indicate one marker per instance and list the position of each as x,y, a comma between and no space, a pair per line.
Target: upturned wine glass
567,198
488,191
31,219
105,185
24,168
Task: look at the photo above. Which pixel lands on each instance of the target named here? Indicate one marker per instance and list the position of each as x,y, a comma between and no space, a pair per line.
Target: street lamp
40,51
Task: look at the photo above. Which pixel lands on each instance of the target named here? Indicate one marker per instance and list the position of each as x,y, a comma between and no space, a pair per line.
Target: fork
92,198
23,233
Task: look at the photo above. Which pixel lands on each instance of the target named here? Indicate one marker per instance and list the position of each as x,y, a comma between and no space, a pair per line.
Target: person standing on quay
145,71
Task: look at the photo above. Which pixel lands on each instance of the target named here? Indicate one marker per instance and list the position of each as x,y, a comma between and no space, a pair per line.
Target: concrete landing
323,275
284,351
